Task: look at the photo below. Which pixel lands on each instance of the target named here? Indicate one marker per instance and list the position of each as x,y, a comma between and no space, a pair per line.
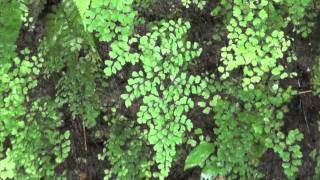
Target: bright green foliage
121,55
199,3
288,150
37,143
82,9
30,127
247,104
255,42
14,87
165,88
249,119
32,132
287,12
126,150
110,19
62,46
113,21
256,39
244,120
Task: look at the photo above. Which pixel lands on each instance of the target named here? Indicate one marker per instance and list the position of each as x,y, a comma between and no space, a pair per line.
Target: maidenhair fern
113,21
253,115
37,144
22,126
7,80
199,3
255,43
110,18
247,124
124,146
165,57
256,39
65,73
82,7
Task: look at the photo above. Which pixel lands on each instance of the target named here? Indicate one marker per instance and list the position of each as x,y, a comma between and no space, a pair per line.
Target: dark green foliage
9,29
64,40
199,155
125,145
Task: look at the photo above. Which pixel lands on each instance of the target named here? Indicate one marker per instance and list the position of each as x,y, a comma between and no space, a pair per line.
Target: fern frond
82,7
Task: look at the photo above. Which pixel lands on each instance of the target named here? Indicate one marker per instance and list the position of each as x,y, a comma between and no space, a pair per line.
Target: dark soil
303,114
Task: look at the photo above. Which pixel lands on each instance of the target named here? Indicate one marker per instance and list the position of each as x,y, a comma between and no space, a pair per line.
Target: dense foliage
67,76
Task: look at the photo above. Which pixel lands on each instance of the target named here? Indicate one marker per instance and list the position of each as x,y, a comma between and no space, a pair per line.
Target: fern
246,103
82,7
124,146
64,40
163,106
10,23
102,18
248,123
19,124
36,144
199,3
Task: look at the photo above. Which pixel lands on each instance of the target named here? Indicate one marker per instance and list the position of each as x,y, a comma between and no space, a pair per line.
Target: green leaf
82,8
263,14
128,103
206,110
199,155
108,71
